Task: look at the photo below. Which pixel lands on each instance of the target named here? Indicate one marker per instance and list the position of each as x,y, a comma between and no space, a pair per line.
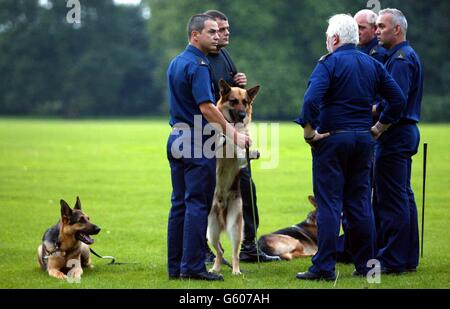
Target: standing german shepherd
226,213
65,246
294,241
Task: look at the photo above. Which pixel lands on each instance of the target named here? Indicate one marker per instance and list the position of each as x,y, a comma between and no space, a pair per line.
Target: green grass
119,170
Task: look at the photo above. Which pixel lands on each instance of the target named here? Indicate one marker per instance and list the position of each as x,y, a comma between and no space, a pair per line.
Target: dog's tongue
86,239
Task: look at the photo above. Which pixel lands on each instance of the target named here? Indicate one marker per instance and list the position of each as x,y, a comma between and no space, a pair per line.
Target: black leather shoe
390,271
356,273
307,275
210,257
253,258
202,276
250,254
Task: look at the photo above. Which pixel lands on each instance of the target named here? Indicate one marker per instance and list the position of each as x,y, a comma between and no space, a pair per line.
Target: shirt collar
346,47
372,44
394,49
197,52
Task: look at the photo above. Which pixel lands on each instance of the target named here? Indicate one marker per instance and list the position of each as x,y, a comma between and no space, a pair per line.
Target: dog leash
247,154
113,259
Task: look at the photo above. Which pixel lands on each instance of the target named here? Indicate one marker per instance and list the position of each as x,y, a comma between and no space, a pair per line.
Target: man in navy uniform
368,41
223,67
368,44
191,104
395,209
337,119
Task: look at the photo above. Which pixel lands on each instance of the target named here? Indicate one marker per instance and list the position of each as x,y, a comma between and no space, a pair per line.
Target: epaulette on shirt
201,61
324,57
373,51
400,54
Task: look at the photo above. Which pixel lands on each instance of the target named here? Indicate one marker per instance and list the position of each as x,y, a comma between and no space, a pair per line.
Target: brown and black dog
226,213
65,246
298,240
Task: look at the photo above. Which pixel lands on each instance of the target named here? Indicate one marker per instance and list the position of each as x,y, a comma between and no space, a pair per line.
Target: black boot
210,257
249,253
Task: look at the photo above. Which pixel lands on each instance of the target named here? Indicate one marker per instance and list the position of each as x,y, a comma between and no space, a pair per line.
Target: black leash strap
109,257
247,154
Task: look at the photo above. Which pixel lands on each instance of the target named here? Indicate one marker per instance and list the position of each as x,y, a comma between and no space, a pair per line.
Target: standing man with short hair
368,41
395,209
192,172
337,118
223,67
368,44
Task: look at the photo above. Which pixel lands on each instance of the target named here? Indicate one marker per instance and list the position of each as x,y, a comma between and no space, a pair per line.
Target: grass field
119,170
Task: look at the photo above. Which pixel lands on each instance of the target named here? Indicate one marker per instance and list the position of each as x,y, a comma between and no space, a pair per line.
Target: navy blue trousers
341,178
395,209
193,182
343,253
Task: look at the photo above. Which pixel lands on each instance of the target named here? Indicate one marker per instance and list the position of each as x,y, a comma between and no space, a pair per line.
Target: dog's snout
242,115
96,230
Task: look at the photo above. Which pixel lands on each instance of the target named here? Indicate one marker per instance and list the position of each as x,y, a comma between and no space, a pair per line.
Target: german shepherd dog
299,240
226,213
65,246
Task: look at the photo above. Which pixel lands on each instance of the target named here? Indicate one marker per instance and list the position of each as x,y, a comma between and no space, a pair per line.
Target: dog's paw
57,274
75,273
236,272
214,270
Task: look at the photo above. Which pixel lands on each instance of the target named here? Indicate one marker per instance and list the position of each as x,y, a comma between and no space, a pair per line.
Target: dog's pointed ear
312,200
78,204
224,87
66,212
252,92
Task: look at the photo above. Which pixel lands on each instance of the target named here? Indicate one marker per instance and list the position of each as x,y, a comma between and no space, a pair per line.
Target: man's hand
240,79
378,129
316,136
374,110
241,140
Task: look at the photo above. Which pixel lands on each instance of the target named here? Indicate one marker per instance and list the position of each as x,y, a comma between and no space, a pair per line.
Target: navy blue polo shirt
342,89
375,50
221,68
404,65
190,85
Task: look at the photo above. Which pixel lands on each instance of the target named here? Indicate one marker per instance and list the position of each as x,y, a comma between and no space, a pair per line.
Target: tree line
114,62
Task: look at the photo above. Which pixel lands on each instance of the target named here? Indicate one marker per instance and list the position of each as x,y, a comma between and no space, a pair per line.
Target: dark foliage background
114,62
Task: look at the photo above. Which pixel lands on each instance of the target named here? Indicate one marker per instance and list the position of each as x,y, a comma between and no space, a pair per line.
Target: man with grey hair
337,119
394,208
368,44
368,41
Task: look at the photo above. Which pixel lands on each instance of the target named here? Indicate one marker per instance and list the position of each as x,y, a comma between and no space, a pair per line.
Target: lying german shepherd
294,241
226,213
65,246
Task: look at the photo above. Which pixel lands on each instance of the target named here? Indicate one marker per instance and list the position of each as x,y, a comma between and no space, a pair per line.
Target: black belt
406,121
349,131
